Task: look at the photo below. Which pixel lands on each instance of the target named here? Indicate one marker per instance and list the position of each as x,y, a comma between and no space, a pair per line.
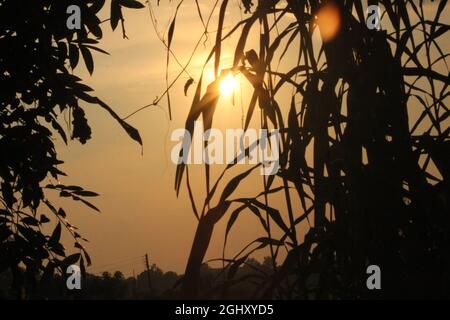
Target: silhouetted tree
370,105
40,99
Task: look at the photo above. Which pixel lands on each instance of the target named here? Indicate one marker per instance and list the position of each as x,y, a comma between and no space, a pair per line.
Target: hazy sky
140,211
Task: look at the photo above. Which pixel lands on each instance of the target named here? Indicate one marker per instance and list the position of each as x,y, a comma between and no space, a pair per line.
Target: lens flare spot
228,85
329,21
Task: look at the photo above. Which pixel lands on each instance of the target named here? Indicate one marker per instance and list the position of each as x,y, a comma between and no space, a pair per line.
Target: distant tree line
163,285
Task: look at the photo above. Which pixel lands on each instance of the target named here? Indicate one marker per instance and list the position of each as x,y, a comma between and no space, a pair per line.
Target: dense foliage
41,99
371,105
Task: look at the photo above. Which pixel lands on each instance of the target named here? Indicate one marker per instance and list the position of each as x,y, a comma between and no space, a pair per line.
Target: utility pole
147,265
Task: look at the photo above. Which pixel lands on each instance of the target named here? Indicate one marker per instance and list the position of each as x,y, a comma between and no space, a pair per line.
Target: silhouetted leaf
234,183
84,193
233,217
74,55
132,4
171,31
87,56
116,13
44,219
187,85
30,221
218,45
87,203
56,235
70,260
61,213
132,132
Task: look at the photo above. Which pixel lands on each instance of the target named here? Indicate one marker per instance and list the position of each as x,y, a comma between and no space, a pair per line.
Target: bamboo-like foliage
369,197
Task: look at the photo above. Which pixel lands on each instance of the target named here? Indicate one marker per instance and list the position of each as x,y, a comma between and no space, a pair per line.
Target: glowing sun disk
228,85
329,21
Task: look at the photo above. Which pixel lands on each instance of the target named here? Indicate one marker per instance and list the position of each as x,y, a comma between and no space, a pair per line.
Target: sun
329,21
228,85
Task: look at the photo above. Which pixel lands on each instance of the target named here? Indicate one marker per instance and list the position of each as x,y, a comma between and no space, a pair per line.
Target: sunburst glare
228,85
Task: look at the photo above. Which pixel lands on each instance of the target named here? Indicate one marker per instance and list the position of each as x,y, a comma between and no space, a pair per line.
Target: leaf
88,258
199,13
58,248
78,245
8,194
72,259
171,31
61,213
59,129
287,76
87,56
71,188
56,235
116,14
257,213
26,232
64,194
84,193
234,183
273,213
30,221
235,266
218,46
248,4
269,241
49,270
172,26
194,113
93,23
191,196
74,55
133,4
132,132
252,58
82,266
442,5
208,103
44,219
239,52
77,86
268,105
187,85
97,6
170,37
97,49
251,108
233,217
87,203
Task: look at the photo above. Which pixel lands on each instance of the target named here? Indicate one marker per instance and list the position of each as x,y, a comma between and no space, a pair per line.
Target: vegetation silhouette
115,286
40,100
371,104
